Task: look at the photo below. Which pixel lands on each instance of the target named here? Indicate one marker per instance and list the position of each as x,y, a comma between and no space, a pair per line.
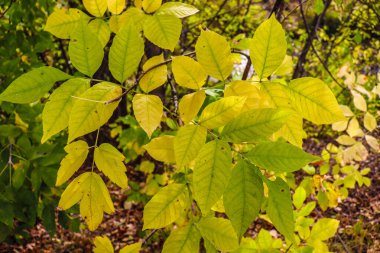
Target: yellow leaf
101,29
132,248
340,125
190,105
354,129
90,111
314,101
150,6
346,140
286,67
116,6
148,111
372,142
214,54
268,47
110,161
162,148
56,113
90,189
178,9
163,30
138,3
244,89
155,77
221,112
96,8
62,22
188,141
292,130
370,122
76,155
188,72
359,101
103,245
132,14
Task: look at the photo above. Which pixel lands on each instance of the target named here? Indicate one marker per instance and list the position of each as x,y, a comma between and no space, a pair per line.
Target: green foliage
223,151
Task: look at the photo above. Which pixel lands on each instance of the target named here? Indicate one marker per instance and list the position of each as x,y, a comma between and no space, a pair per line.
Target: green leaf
85,50
126,52
132,248
280,156
33,85
90,111
268,48
188,73
101,29
96,8
103,245
180,10
161,149
56,113
188,141
183,240
214,54
76,155
255,125
62,22
190,105
219,113
148,111
279,207
219,232
90,189
110,161
154,76
212,172
163,30
165,207
324,229
243,196
116,6
314,101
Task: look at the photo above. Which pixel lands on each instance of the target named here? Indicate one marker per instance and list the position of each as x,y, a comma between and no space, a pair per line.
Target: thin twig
149,236
7,9
342,242
293,10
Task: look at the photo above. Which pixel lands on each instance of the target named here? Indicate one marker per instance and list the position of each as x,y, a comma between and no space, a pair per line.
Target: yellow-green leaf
76,155
116,6
90,189
212,172
286,67
62,22
292,130
96,8
359,101
188,141
132,14
165,207
32,85
162,148
188,72
183,240
370,122
244,89
178,9
280,156
148,111
56,113
126,52
314,101
85,50
255,125
214,54
190,105
268,47
110,161
324,229
243,196
132,248
155,76
150,6
90,110
279,207
163,30
221,112
103,245
219,232
101,29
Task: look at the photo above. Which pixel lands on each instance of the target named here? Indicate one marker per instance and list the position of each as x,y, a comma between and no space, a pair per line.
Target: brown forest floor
124,226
